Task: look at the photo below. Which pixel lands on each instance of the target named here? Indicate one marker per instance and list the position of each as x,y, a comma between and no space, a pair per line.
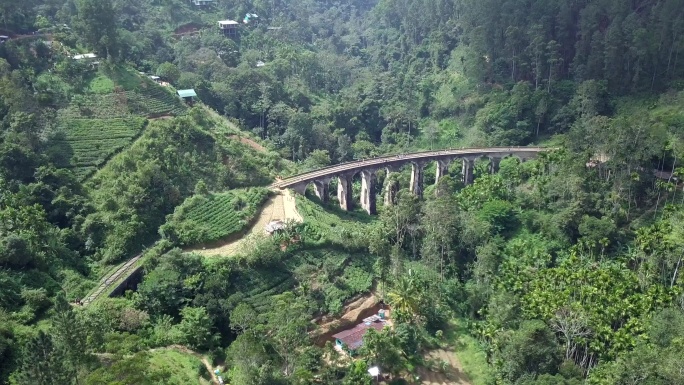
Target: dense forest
565,269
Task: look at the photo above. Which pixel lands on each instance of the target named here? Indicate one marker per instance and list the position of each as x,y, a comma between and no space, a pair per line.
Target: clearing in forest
448,370
182,365
281,206
354,312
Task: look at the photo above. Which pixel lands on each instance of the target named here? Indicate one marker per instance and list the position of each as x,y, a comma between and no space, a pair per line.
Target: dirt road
452,374
281,206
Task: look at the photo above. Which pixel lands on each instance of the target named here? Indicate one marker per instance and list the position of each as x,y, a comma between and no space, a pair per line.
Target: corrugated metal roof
85,56
353,338
187,93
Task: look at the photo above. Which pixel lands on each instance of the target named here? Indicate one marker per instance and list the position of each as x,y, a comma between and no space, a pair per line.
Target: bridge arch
367,168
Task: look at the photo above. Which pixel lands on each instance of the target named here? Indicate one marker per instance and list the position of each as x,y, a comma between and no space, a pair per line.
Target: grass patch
181,368
202,219
123,76
470,353
101,84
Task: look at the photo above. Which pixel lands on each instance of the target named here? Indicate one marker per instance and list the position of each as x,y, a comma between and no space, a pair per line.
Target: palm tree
404,297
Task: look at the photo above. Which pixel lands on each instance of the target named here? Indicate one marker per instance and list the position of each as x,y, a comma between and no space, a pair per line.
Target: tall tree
95,22
70,336
287,326
439,224
43,363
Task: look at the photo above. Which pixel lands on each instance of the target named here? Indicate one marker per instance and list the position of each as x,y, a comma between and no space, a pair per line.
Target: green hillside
106,119
565,269
135,191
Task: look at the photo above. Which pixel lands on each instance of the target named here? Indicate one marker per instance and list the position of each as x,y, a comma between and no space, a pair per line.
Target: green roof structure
187,93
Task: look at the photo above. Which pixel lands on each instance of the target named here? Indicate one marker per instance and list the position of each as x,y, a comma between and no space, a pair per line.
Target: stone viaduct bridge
368,167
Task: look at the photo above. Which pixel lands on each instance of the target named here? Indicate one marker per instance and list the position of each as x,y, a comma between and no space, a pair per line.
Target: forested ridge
566,269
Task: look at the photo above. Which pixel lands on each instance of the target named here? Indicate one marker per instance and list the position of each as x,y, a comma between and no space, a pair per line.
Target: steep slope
136,190
106,115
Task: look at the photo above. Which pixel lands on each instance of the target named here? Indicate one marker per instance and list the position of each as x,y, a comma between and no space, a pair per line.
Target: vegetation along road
279,207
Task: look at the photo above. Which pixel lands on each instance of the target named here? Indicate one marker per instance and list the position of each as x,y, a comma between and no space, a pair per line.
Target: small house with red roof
350,340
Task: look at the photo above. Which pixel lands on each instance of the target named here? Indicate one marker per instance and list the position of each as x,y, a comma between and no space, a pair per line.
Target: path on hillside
451,375
249,142
281,206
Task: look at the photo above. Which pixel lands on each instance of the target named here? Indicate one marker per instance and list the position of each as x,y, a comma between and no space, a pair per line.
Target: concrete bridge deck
368,167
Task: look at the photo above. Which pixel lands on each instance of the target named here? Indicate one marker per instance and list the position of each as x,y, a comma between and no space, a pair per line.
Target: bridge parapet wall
369,167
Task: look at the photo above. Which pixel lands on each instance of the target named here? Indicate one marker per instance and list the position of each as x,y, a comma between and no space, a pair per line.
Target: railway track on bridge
415,156
123,271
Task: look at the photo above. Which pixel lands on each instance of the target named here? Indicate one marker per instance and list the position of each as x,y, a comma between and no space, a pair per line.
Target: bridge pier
467,171
494,165
368,191
344,192
368,167
321,188
417,179
442,169
391,190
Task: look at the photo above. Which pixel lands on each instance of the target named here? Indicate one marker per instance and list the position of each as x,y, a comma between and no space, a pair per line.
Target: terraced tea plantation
332,276
202,219
121,91
97,125
153,101
98,106
87,144
150,101
256,289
